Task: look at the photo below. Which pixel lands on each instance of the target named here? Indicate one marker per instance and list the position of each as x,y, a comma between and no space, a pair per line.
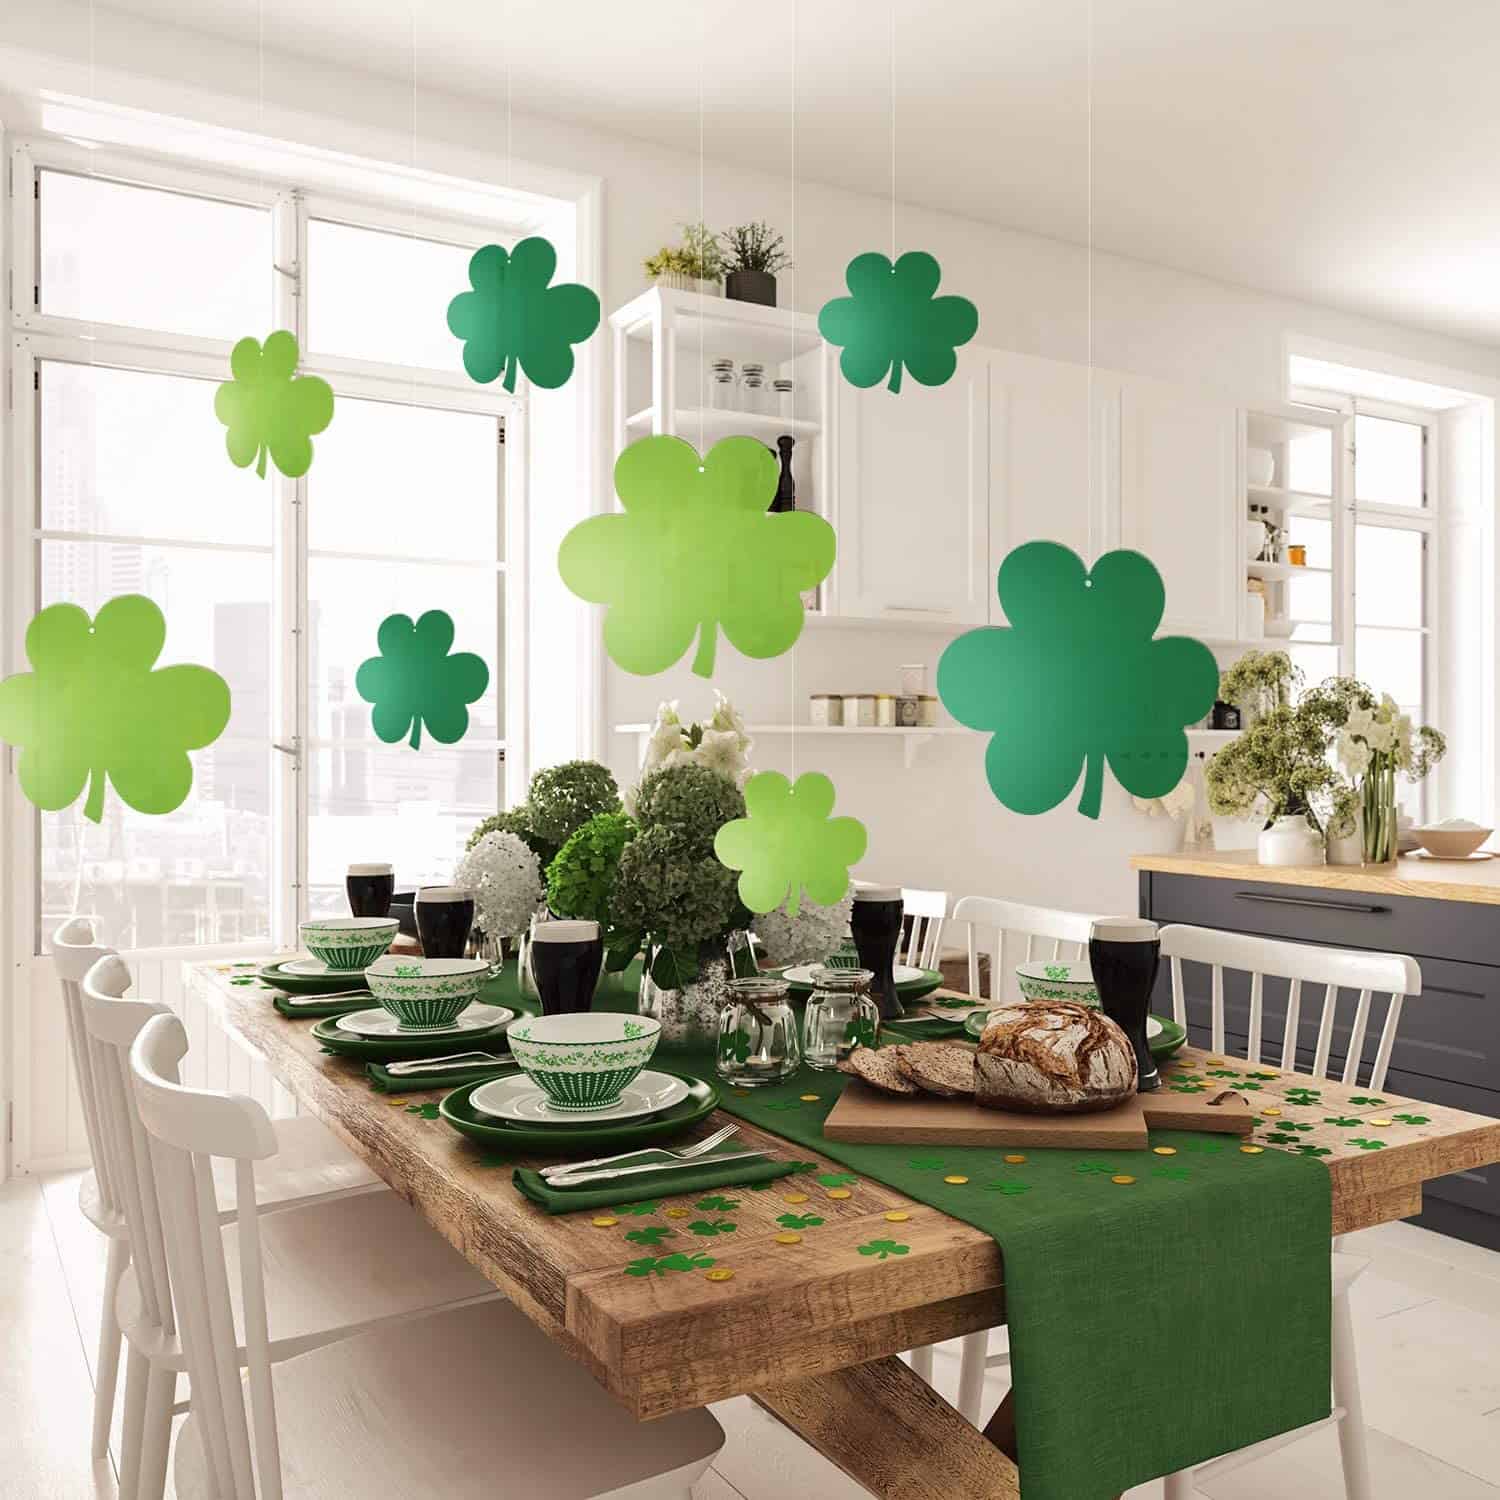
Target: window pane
413,809
1390,661
201,873
1388,462
1309,464
104,432
1317,662
113,253
1316,536
378,296
347,600
1388,576
407,480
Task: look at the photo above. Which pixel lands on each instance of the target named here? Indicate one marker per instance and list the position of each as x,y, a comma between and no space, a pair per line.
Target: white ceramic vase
1260,466
1350,848
1289,841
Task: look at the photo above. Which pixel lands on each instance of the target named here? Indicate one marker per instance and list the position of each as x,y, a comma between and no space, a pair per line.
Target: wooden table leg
1001,1430
891,1432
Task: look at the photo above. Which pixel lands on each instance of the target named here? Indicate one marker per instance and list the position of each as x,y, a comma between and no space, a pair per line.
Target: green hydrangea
516,820
563,798
580,880
680,897
690,802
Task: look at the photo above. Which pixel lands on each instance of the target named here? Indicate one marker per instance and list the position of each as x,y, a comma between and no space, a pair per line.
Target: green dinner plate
307,984
1171,1038
395,1048
563,1139
906,989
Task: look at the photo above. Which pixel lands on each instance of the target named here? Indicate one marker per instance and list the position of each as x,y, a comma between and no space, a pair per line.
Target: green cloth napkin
922,1029
644,1185
317,1010
385,1082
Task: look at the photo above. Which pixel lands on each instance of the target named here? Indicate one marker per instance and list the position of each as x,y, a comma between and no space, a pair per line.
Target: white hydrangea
809,937
506,879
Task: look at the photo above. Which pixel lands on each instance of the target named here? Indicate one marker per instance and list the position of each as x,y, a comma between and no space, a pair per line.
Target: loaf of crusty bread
879,1070
938,1068
1053,1057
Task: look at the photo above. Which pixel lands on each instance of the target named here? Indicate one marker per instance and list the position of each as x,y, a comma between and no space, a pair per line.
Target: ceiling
1341,151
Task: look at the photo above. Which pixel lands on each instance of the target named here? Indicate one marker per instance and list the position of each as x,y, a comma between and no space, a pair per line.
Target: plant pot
689,1016
675,281
1348,849
1289,841
751,286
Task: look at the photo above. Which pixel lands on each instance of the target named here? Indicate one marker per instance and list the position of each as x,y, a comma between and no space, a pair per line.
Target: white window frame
36,337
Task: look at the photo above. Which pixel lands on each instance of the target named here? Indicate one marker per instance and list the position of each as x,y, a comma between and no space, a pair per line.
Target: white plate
382,1023
1153,1027
802,973
1456,859
518,1098
315,968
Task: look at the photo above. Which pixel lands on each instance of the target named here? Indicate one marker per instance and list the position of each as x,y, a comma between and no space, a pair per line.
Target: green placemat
920,1029
644,1185
385,1082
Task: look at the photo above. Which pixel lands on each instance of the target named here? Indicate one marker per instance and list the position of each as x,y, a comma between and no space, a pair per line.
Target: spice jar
908,713
927,710
758,1040
864,709
885,710
840,1016
827,709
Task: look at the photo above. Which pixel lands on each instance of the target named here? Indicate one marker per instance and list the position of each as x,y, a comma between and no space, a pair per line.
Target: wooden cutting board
864,1115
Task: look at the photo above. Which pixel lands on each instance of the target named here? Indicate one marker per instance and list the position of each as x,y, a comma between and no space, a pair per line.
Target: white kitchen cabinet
912,481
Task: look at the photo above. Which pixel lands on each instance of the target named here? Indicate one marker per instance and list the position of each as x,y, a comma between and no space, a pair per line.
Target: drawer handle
1356,906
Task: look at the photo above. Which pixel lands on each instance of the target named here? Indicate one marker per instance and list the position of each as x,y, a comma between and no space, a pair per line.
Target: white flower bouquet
506,879
1374,743
721,745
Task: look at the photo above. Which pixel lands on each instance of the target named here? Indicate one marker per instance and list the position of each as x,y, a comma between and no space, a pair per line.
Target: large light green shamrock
414,681
268,407
513,317
695,551
1076,679
895,318
788,843
93,708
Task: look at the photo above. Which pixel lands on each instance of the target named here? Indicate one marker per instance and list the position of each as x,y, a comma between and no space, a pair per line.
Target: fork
688,1153
323,999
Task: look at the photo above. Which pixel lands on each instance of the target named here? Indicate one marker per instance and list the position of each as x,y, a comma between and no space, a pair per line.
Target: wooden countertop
1429,879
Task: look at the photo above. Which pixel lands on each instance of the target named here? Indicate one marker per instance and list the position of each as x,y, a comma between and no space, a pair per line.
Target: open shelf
911,739
1280,571
743,328
719,422
1291,502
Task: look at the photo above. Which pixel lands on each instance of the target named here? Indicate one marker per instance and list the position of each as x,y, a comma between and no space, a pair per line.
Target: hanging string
510,159
702,240
892,85
792,279
1089,268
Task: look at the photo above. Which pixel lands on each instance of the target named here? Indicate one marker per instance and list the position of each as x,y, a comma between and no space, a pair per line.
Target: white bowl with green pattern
583,1061
426,994
349,943
1058,979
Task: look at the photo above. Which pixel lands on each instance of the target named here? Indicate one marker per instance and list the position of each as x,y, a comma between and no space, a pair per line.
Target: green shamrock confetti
1366,1145
894,319
1076,680
1222,1073
92,710
1009,1189
1172,1174
1265,1077
652,1265
1188,1088
716,1204
1365,1099
883,1248
1307,1150
803,1166
1294,1125
708,1228
647,1206
651,1236
512,317
1347,1122
414,681
1245,1085
1280,1139
799,1221
837,1179
788,843
926,1163
1413,1119
696,551
428,1111
1303,1096
268,408
1090,1168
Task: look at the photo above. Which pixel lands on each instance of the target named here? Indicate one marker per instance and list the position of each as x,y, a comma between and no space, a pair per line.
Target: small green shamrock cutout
513,317
695,551
268,408
1347,1122
1280,1139
1366,1145
1365,1099
1264,1076
1009,1189
1294,1125
648,1206
651,1236
1307,1150
1172,1174
883,1248
736,1046
799,1221
1222,1073
415,681
717,1204
894,319
652,1265
836,1179
1413,1119
428,1111
93,711
1188,1088
1303,1096
788,843
926,1163
1088,1168
1076,679
708,1228
1245,1085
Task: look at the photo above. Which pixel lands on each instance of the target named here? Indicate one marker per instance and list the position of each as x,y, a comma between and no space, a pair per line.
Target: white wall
937,824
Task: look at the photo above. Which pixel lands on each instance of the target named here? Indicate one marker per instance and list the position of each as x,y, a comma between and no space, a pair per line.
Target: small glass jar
754,395
757,1033
723,390
785,398
840,1017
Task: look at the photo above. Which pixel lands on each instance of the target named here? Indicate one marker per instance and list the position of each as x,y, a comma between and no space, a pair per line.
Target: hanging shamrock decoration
788,843
513,317
1076,679
92,709
894,319
268,408
696,551
414,681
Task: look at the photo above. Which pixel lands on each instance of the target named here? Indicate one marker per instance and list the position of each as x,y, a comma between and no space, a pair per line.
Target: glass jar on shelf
723,389
758,1042
840,1016
786,391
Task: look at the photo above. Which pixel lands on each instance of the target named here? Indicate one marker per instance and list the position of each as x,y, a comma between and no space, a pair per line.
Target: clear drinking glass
840,1016
757,1033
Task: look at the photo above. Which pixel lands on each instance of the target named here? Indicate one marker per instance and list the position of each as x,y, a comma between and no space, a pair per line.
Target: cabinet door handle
1355,906
917,609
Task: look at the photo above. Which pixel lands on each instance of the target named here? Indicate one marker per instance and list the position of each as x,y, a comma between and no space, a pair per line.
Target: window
143,279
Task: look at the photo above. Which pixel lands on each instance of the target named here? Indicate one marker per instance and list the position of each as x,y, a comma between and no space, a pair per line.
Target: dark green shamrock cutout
1315,1150
926,1163
1188,1088
652,1265
428,1111
1347,1122
513,317
1413,1119
1088,1168
799,1221
92,711
1009,1189
414,681
1222,1073
650,1236
1076,680
894,318
1264,1076
1365,1099
736,1046
694,551
836,1179
648,1206
860,1034
1280,1139
883,1248
708,1228
269,408
1293,1125
718,1205
1303,1096
1366,1145
1246,1086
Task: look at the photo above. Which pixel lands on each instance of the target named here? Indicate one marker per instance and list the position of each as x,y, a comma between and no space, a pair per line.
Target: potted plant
693,266
753,254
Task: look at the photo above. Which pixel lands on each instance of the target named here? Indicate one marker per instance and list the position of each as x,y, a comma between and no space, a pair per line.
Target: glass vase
1377,804
689,1014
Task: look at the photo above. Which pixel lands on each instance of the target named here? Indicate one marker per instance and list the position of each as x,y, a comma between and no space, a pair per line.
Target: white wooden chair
312,1165
343,1265
1366,975
928,911
474,1403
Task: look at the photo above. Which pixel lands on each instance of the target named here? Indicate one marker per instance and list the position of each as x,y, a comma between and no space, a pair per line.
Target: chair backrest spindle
1038,926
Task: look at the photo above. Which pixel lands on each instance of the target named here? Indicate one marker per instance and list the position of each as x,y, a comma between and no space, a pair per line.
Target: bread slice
938,1068
879,1070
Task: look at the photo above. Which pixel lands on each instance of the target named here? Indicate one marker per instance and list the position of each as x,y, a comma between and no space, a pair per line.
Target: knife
580,1179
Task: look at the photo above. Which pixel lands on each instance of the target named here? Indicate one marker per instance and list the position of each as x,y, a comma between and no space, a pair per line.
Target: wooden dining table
813,1330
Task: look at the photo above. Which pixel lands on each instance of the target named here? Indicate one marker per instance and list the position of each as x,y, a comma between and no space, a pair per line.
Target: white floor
1428,1315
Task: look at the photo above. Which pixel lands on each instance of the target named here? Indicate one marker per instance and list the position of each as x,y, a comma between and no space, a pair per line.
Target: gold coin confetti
676,1213
1252,1150
794,1198
1164,1150
719,1273
1015,1160
957,1180
1214,1062
1123,1179
897,1216
1380,1122
839,1193
605,1222
788,1238
808,1098
1270,1111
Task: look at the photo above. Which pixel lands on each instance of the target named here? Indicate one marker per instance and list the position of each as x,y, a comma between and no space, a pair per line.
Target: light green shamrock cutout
269,408
1076,679
1363,1099
414,681
428,1111
513,317
93,709
788,843
894,318
695,551
1347,1122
